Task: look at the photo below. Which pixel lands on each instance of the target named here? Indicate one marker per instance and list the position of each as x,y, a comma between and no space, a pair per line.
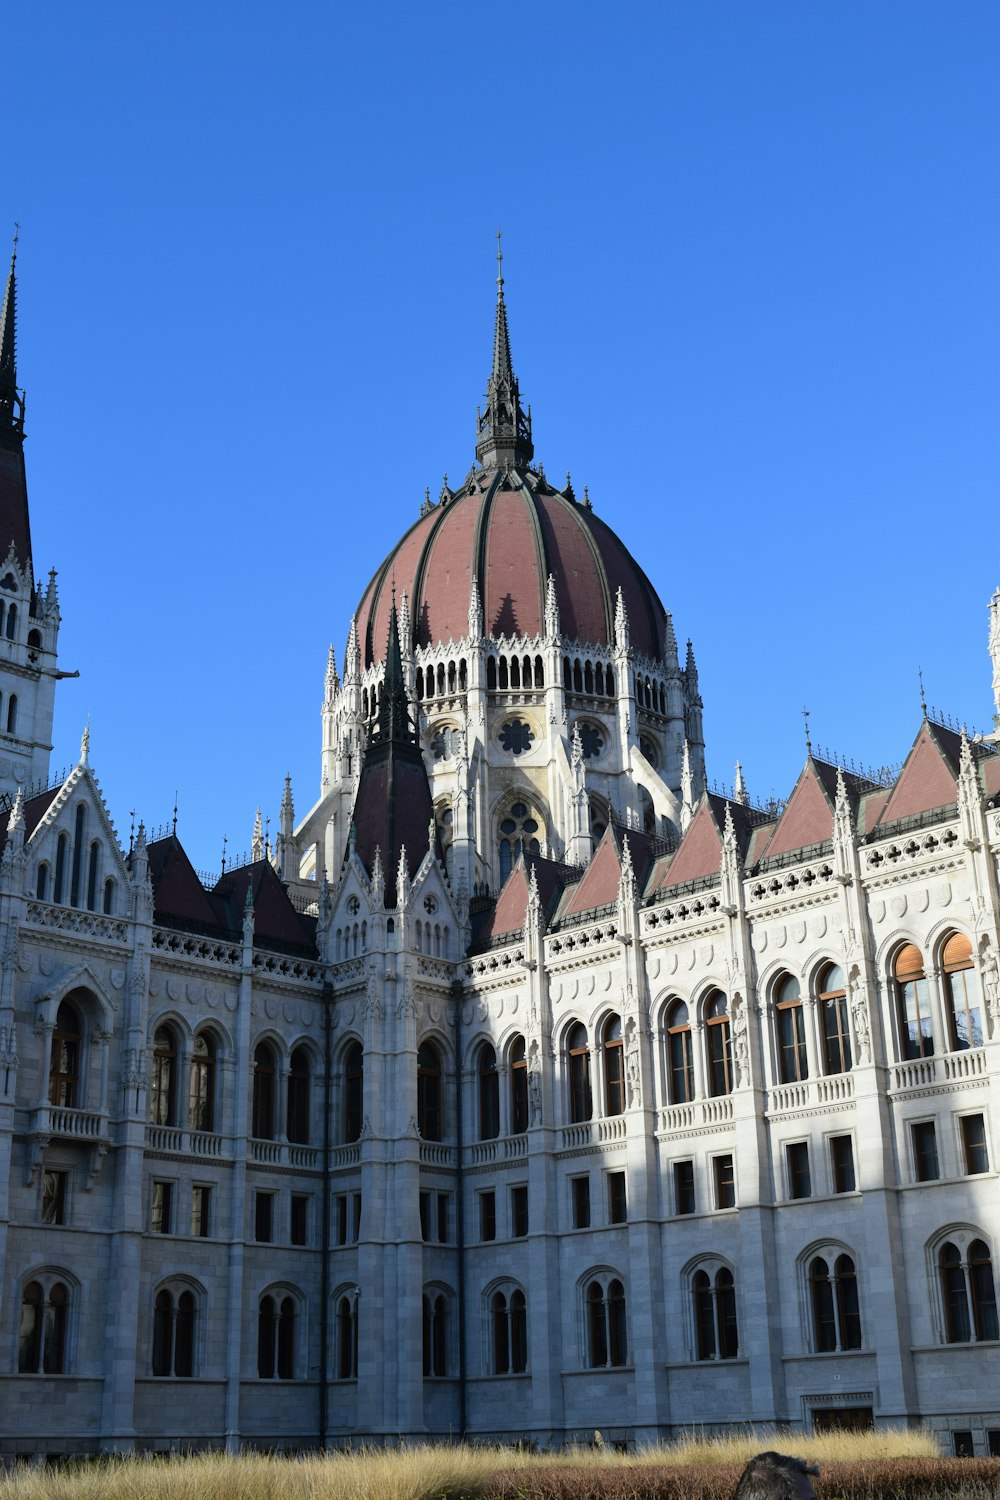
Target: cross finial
17,236
174,829
499,264
923,695
805,715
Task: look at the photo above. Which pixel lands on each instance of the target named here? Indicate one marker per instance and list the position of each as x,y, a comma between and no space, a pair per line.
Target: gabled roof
178,894
34,811
508,915
700,853
929,775
598,885
275,919
808,815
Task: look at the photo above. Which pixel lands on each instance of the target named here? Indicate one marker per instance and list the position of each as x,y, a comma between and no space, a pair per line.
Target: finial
499,266
923,695
805,715
225,845
85,744
174,830
131,830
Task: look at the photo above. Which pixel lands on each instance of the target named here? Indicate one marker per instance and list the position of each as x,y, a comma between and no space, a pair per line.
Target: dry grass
885,1465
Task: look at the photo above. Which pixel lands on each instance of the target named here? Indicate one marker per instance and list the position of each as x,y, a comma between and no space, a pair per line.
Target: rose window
518,835
516,736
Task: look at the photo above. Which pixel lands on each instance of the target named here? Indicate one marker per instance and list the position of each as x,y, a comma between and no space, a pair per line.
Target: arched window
298,1104
347,1335
354,1092
429,1092
109,897
62,859
607,1338
173,1333
64,1065
162,1090
833,1294
276,1338
961,985
518,1086
679,1049
716,1332
41,1348
42,882
201,1089
968,1293
792,1062
719,1044
581,1105
12,713
435,1334
598,820
11,622
614,1066
509,1324
92,869
916,1030
76,879
263,1092
833,1016
517,834
489,1094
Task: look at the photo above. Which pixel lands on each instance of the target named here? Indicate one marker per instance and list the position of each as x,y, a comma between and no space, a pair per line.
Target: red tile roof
928,777
808,815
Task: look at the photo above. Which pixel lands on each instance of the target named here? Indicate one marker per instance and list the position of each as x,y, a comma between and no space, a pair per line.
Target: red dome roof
511,535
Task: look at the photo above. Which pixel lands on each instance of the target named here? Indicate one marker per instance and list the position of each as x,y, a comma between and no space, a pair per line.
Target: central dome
510,530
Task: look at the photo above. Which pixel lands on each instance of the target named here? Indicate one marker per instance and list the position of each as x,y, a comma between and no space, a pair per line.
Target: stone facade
635,1109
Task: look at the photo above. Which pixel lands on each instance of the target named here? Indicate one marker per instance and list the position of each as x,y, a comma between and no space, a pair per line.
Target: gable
807,818
700,852
598,886
926,780
77,810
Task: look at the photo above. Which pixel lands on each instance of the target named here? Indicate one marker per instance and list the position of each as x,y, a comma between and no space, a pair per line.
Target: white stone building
529,1088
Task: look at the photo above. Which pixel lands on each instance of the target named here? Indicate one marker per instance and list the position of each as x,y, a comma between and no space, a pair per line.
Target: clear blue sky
752,261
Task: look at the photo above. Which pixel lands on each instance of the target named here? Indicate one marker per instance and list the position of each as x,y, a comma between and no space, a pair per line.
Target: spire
475,611
691,671
332,680
257,842
11,399
405,629
504,429
740,793
670,645
621,622
551,609
352,656
394,722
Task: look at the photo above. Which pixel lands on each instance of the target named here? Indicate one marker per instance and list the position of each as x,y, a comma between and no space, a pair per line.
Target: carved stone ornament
633,1072
741,1039
990,967
535,1083
859,1014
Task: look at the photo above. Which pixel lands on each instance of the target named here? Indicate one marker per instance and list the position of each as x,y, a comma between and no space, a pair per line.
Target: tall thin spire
11,399
504,428
394,719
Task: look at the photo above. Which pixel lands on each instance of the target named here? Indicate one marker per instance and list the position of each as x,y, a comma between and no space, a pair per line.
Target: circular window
430,905
519,831
353,906
446,742
591,739
516,736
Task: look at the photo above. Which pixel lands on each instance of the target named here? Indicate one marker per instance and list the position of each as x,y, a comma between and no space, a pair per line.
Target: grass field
886,1465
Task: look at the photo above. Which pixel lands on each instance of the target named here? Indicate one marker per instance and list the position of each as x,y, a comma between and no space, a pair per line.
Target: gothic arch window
716,1332
11,623
64,1063
609,679
518,1086
581,1104
276,1317
577,676
599,816
517,833
346,1334
175,1313
515,673
201,1083
35,639
834,1020
968,1290
647,812
298,1104
354,1091
429,1121
793,1064
42,882
264,1073
92,873
62,859
961,988
508,1331
833,1301
435,1333
77,868
539,672
12,712
163,1078
420,682
719,1044
916,1029
109,897
491,674
680,1060
614,1066
489,1094
44,1325
599,679
649,750
604,1311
